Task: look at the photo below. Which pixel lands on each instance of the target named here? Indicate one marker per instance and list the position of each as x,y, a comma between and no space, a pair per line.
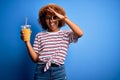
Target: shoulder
66,31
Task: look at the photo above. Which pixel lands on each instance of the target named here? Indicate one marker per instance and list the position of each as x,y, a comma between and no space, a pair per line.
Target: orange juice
26,33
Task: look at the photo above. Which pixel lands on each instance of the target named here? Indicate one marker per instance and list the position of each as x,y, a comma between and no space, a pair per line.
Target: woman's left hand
56,13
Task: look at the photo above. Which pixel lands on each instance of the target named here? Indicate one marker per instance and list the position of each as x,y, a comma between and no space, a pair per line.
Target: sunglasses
48,17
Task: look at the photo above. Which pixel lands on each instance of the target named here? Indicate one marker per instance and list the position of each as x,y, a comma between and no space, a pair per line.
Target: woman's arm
33,55
78,32
76,29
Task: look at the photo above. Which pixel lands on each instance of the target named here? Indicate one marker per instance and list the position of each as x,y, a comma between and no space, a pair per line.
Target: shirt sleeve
71,36
36,44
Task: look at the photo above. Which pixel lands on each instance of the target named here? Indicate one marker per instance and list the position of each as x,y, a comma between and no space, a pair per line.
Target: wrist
65,17
27,42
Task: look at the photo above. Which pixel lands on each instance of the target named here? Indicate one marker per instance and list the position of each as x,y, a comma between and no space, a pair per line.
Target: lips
52,24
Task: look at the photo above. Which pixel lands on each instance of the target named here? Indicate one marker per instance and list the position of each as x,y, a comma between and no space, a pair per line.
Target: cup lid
26,26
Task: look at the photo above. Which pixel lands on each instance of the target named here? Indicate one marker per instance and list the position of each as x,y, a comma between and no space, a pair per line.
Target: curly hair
43,12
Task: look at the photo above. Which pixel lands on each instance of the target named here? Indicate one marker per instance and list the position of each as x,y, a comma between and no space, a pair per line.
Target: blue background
96,56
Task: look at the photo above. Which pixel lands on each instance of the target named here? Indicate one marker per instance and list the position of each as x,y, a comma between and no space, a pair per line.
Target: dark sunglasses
47,17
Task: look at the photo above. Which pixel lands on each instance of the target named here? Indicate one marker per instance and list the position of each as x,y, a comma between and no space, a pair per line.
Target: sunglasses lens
55,17
47,17
51,17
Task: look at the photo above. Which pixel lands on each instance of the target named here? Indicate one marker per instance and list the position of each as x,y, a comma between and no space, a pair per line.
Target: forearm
78,32
74,27
33,55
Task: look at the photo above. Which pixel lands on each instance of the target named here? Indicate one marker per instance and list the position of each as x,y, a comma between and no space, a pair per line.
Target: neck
53,30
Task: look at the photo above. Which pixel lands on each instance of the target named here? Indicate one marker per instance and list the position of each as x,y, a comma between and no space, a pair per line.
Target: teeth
52,24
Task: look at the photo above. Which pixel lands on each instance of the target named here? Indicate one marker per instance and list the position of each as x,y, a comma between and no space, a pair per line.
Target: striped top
52,46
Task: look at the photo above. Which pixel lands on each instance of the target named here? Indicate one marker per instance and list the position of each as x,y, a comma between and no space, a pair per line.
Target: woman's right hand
25,34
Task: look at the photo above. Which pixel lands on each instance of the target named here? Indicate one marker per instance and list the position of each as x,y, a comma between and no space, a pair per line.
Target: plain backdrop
96,55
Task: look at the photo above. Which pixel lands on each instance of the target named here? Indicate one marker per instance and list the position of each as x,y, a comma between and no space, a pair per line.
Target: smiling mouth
52,24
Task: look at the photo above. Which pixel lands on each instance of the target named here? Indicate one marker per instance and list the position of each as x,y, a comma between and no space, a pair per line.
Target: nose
51,19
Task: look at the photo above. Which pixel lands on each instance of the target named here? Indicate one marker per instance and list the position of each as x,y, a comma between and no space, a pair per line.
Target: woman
50,46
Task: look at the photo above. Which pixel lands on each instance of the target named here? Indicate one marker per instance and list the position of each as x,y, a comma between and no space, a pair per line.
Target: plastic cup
26,32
